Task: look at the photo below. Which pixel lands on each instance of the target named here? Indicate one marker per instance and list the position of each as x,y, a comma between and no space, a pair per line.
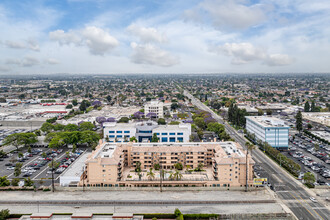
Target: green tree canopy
47,127
154,138
86,126
161,121
71,127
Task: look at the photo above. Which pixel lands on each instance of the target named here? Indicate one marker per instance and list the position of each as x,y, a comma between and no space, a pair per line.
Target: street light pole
53,184
160,178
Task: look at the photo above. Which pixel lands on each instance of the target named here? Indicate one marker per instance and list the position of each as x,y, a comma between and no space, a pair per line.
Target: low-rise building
144,131
221,164
317,117
269,129
154,109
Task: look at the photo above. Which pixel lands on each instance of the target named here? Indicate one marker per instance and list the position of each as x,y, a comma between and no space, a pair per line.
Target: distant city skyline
197,36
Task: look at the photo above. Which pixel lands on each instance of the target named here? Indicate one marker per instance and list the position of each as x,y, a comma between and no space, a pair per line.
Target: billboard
259,181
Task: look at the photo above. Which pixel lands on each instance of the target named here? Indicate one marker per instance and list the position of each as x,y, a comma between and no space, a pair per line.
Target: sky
164,36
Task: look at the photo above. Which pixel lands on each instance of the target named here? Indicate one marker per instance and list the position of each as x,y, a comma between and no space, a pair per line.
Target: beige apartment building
113,164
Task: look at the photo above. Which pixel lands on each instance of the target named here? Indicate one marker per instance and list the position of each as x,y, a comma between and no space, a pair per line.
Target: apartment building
113,164
154,109
269,129
143,131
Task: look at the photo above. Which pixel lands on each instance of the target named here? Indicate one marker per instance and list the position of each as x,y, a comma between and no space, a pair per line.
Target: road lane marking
310,207
301,204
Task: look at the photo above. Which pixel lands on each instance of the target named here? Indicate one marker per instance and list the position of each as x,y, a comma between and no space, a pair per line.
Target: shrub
177,212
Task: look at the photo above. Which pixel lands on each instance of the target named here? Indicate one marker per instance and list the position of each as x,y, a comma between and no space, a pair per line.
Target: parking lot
36,164
312,156
4,132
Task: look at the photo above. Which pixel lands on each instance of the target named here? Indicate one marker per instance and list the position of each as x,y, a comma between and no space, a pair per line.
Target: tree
108,98
17,170
150,174
59,127
74,148
154,138
14,182
309,178
138,167
174,106
54,164
306,107
4,214
75,102
313,107
71,127
133,139
4,181
299,121
309,126
177,212
269,112
13,139
29,150
90,138
161,121
178,166
123,120
177,175
28,182
28,138
84,105
199,167
199,121
156,166
86,126
69,106
47,127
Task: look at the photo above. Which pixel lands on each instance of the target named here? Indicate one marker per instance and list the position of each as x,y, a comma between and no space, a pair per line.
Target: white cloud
228,14
147,35
278,60
52,61
96,39
243,53
4,69
29,44
150,54
64,38
25,62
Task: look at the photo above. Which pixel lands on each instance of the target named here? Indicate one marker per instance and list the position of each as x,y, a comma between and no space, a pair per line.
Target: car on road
312,199
10,168
8,164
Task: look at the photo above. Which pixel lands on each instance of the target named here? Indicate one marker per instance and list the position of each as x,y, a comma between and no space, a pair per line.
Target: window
180,133
172,133
103,170
126,132
164,139
145,132
119,131
172,139
164,133
157,134
119,136
126,136
111,132
180,139
111,136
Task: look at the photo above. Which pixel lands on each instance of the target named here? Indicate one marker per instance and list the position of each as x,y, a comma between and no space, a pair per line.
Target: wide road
289,191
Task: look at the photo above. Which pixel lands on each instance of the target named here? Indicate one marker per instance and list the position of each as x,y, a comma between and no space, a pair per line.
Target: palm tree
151,174
249,147
177,175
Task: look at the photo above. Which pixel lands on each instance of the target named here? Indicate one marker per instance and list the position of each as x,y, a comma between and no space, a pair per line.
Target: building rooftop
267,121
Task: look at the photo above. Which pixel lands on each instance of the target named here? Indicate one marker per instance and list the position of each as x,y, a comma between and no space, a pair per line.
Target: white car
10,168
312,199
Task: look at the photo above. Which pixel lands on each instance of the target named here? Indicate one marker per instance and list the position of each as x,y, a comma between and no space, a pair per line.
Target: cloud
278,60
64,38
244,53
25,62
96,39
150,54
99,41
147,35
52,61
227,14
29,44
4,69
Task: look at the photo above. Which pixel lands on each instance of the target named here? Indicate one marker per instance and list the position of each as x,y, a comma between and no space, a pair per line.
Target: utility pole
53,184
160,177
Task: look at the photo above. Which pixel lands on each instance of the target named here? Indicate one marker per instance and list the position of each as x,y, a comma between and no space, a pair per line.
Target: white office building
143,132
269,129
154,107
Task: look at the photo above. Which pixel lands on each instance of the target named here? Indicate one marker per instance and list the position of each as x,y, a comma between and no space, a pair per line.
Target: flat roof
267,121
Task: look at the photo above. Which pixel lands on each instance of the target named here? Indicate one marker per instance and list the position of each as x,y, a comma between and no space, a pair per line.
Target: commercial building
113,164
318,117
154,109
269,129
143,131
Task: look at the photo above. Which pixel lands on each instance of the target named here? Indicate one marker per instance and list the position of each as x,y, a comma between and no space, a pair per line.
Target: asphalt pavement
289,191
